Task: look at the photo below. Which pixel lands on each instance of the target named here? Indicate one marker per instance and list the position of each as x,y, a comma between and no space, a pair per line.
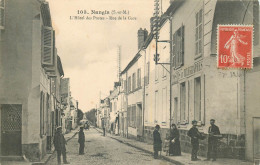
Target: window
182,101
42,114
129,115
148,73
133,116
139,78
146,108
134,82
164,104
2,14
175,108
156,108
125,87
197,99
178,48
198,34
256,21
129,84
156,72
47,46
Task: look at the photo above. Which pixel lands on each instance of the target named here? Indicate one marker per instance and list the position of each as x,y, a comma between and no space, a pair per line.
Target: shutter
182,46
174,50
47,44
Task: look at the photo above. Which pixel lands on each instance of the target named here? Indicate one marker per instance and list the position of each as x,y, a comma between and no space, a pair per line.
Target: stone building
200,91
28,64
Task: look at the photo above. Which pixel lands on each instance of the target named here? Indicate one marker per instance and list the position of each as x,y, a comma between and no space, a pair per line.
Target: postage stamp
235,46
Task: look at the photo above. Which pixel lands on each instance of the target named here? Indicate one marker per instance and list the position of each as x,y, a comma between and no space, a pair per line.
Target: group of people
195,135
60,142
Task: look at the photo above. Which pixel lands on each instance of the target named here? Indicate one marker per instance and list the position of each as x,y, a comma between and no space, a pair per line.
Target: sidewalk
180,160
46,158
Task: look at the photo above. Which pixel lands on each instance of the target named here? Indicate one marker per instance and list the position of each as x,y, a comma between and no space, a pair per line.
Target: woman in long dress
175,147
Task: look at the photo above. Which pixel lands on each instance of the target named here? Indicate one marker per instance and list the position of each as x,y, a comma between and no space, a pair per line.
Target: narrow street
104,150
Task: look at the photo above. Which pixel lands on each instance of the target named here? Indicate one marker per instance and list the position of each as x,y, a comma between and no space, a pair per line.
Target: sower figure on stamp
214,134
59,144
195,135
157,142
232,43
81,141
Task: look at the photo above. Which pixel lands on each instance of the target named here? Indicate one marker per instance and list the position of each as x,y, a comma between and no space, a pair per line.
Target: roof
170,11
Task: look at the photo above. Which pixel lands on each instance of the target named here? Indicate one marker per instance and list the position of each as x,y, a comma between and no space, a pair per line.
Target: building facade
200,91
28,64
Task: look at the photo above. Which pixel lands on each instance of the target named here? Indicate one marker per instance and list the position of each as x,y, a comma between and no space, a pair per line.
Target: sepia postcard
154,82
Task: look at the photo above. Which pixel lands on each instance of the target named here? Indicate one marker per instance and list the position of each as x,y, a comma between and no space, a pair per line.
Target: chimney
142,35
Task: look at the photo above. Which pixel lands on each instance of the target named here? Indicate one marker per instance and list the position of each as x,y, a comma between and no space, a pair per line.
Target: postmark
235,46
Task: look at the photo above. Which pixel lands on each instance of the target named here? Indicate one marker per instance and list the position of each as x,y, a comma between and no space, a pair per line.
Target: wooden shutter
174,50
47,45
182,47
2,14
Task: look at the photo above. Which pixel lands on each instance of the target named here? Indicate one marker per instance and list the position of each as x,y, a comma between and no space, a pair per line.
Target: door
11,129
139,120
256,137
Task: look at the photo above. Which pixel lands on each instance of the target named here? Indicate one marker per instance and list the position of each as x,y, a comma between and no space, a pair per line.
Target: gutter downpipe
171,42
144,89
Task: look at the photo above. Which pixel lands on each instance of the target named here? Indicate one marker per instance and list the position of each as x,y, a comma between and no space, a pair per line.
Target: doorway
256,137
11,129
139,120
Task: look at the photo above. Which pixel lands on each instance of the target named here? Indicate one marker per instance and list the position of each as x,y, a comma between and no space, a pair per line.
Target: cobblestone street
104,150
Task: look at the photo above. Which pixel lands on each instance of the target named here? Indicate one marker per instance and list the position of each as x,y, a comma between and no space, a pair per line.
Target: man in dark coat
195,135
157,142
59,144
81,141
214,134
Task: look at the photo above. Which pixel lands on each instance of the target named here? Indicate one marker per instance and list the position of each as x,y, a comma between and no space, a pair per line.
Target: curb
53,153
146,151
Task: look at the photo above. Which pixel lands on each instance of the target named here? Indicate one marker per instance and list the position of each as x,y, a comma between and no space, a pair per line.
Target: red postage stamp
235,46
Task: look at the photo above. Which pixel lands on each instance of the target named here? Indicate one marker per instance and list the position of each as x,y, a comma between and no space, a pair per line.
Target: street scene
104,150
130,82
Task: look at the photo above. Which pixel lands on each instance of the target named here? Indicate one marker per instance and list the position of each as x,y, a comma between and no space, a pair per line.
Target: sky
88,48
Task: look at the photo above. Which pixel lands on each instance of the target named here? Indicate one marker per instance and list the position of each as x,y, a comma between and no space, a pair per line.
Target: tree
91,116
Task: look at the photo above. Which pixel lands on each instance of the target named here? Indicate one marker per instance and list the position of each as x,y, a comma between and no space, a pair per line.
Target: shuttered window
129,84
198,34
178,48
182,102
139,78
134,82
2,14
47,46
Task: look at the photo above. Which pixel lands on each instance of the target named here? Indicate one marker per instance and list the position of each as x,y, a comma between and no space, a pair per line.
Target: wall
222,91
20,65
252,104
157,108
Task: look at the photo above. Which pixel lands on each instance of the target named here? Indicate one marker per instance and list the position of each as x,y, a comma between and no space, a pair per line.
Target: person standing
175,147
103,127
195,135
59,144
214,134
157,142
81,141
